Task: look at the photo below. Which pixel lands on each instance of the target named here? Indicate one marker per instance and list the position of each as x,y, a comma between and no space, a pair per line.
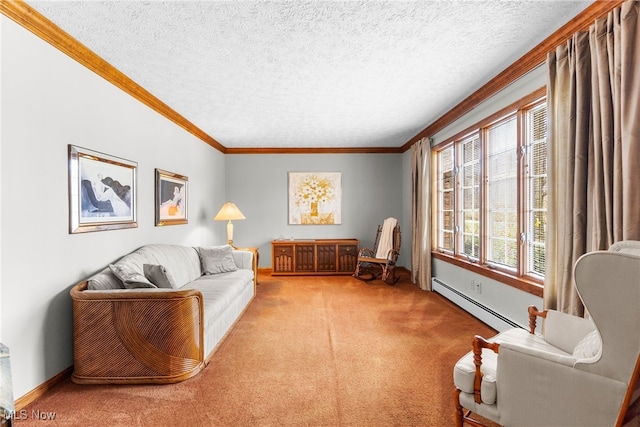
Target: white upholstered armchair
577,372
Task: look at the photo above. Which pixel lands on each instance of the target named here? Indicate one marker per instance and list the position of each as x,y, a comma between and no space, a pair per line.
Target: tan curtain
594,148
421,213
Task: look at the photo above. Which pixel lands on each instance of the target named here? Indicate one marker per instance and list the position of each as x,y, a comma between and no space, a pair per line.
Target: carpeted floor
309,351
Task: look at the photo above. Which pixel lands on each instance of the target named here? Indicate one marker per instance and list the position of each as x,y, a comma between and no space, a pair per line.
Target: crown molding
318,150
526,63
32,20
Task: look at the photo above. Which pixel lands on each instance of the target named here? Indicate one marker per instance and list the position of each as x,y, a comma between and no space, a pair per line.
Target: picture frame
171,198
102,191
315,198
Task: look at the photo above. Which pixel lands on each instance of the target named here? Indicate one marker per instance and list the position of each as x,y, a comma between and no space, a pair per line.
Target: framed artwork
315,198
171,198
102,191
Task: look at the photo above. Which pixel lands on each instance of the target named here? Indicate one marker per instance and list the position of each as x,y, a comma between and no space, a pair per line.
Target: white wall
49,101
371,192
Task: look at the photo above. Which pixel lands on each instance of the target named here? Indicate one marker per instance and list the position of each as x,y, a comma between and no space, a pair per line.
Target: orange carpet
309,351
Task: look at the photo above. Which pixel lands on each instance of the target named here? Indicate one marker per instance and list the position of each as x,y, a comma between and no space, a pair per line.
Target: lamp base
230,233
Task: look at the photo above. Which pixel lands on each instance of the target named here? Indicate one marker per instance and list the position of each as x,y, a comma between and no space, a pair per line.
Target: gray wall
49,101
257,184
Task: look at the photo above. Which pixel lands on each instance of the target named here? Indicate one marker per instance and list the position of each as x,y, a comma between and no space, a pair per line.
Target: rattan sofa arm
137,336
80,292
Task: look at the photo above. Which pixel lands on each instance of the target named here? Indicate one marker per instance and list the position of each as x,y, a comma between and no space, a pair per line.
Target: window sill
527,285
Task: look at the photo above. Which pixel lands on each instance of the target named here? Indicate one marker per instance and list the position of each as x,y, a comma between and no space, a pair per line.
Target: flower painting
315,198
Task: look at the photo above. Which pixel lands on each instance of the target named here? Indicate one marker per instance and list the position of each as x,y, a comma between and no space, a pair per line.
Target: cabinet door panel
305,258
283,259
326,257
347,258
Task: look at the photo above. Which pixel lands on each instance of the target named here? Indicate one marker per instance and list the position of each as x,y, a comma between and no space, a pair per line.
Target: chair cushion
626,246
589,346
464,374
464,370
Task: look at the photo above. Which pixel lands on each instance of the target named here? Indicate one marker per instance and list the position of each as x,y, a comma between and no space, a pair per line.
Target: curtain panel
421,213
594,148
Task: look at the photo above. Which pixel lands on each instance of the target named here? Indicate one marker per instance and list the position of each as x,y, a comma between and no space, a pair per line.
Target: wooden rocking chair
380,262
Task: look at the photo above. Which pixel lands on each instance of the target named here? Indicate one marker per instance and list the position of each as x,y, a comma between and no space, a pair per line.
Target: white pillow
589,346
217,259
130,277
159,276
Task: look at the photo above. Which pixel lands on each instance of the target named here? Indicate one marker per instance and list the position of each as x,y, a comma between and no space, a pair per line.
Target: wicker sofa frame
126,323
141,336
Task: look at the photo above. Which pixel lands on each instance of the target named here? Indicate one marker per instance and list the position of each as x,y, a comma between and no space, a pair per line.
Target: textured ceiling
258,74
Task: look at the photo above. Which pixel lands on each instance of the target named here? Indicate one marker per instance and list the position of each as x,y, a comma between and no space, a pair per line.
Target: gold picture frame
171,198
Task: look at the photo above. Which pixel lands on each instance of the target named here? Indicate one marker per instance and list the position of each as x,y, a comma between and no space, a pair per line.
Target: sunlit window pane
446,183
502,185
469,187
536,189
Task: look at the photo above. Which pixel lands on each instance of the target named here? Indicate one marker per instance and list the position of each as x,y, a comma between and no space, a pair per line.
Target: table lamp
227,212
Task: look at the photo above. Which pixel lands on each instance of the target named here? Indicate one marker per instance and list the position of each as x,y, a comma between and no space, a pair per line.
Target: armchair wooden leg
459,414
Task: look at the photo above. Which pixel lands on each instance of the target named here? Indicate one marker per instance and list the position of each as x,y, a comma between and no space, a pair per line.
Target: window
536,188
470,195
491,195
445,200
502,189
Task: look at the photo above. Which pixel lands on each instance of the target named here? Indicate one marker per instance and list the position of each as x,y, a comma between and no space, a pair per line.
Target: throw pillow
131,278
588,346
159,276
217,259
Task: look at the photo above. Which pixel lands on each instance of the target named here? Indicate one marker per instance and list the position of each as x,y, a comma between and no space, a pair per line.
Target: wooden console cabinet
316,256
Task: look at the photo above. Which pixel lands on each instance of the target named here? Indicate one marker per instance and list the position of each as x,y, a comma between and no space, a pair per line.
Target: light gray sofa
157,314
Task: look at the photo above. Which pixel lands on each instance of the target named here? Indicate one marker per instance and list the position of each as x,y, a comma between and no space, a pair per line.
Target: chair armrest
534,313
137,336
562,359
478,344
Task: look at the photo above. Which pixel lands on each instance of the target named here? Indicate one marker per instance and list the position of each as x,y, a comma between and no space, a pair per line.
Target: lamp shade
228,211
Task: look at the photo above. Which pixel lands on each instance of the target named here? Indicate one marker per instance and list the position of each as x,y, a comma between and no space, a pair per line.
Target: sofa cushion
219,290
181,262
130,277
217,259
104,280
159,276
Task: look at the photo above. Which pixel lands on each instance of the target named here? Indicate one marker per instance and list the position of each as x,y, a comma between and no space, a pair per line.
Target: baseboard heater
476,309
